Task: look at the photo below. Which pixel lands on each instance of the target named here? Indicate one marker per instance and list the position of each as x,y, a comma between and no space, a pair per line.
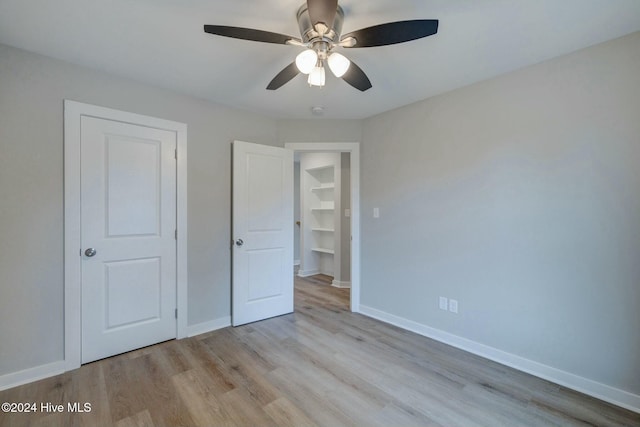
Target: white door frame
73,112
354,149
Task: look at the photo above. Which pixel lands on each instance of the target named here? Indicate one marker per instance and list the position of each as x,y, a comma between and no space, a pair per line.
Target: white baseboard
296,262
340,284
29,375
307,273
584,385
211,325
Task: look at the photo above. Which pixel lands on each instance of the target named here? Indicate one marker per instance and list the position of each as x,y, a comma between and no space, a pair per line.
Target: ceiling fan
320,23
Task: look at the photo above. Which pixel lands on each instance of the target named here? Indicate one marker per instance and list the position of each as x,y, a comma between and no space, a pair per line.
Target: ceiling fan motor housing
311,34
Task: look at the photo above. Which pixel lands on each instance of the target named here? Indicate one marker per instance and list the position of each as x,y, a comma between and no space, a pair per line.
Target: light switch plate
444,303
376,212
347,213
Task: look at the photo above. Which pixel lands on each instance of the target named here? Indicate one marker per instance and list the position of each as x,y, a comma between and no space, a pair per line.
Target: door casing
73,111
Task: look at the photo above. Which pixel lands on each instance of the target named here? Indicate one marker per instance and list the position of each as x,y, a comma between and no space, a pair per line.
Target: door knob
239,242
90,252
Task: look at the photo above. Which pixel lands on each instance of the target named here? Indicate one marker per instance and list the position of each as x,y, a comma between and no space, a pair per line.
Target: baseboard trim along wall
307,273
340,284
592,388
209,326
29,375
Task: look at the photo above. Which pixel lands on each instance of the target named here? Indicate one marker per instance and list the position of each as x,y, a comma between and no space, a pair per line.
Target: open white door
262,258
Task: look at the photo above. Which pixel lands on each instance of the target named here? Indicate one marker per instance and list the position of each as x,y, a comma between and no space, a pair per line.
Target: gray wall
319,130
32,89
519,197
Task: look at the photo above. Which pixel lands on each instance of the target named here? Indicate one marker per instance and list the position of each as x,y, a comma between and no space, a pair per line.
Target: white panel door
128,222
262,233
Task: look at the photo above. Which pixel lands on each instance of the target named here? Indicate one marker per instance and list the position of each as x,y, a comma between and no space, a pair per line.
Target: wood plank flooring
320,366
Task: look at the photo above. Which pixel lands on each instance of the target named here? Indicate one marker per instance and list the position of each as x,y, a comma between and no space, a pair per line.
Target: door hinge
176,313
176,234
175,153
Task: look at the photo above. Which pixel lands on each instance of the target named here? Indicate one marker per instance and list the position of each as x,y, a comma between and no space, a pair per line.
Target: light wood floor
321,366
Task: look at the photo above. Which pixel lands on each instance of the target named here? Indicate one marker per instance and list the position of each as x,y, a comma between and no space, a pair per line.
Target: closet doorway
327,210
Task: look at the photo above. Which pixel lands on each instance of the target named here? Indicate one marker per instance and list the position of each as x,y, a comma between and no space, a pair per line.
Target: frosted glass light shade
306,61
338,64
316,77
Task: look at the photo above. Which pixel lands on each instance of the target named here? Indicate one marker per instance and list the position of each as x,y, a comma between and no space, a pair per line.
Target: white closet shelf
323,250
322,209
319,168
327,230
323,187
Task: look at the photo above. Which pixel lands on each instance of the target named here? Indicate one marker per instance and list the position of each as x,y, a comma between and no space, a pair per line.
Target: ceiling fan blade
393,32
322,11
289,72
248,34
357,78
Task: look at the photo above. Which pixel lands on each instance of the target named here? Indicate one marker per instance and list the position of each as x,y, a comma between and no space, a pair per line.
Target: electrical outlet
453,305
347,213
443,303
376,212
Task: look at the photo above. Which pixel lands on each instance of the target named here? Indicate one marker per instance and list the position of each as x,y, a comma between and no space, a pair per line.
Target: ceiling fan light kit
339,64
317,76
306,61
320,24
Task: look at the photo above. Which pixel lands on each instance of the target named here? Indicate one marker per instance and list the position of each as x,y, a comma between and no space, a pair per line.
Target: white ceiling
162,42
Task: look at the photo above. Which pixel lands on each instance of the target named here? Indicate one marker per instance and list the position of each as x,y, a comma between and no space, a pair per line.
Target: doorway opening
327,210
